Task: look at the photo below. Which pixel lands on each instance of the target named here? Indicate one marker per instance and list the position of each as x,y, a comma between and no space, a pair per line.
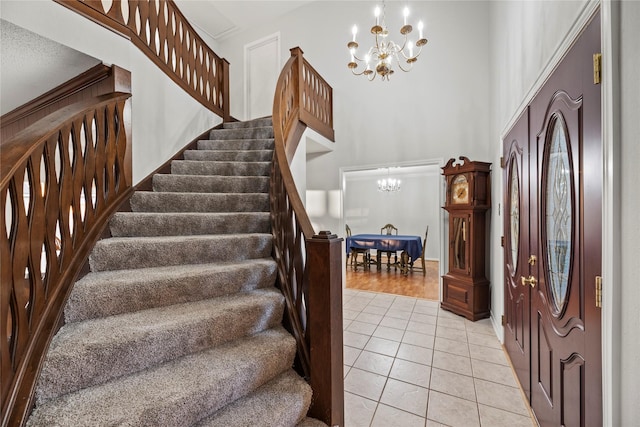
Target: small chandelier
385,52
388,185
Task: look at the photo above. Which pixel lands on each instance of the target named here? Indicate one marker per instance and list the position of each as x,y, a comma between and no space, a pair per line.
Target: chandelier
386,52
388,185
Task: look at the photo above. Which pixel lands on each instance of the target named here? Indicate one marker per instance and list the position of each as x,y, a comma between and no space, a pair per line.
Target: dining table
410,246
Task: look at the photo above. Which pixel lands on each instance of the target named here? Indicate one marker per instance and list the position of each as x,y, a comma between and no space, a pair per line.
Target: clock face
460,189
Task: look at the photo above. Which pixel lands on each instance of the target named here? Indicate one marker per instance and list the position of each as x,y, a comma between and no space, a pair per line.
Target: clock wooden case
465,288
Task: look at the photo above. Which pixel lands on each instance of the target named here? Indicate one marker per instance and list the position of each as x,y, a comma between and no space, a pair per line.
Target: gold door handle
528,281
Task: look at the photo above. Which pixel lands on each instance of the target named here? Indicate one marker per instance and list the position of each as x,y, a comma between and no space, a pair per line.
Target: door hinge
502,162
504,322
502,241
597,68
599,291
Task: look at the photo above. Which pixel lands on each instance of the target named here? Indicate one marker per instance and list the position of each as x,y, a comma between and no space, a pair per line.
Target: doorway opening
366,209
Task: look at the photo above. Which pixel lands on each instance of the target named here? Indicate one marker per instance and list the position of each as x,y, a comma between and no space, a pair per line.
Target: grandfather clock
465,289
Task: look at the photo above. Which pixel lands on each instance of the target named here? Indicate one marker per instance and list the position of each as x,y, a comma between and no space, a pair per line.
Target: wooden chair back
388,229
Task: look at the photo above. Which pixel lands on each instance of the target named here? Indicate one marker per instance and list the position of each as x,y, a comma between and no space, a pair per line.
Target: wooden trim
91,76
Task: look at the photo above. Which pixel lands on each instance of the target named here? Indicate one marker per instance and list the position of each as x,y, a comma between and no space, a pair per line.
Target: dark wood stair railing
161,31
309,263
60,180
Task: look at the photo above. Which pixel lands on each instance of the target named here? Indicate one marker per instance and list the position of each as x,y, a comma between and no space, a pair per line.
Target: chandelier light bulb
354,31
406,14
420,27
410,46
376,12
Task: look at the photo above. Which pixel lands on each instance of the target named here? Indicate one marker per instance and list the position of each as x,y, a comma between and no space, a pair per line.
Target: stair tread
280,402
84,354
104,293
117,253
220,168
124,224
177,393
153,201
247,140
194,183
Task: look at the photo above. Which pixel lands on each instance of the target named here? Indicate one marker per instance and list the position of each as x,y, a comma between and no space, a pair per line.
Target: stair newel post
324,327
297,52
226,110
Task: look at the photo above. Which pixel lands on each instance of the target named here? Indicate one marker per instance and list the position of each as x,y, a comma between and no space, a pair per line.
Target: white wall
630,250
164,118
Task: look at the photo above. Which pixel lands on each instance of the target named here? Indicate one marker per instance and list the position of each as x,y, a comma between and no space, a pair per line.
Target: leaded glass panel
558,215
514,213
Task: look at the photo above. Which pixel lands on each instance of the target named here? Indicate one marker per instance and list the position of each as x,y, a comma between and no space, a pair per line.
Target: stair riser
184,330
192,167
236,144
283,401
242,133
229,156
263,122
132,224
198,202
210,184
130,253
106,294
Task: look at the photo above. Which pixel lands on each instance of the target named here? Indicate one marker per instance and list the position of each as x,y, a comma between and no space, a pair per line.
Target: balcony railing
161,31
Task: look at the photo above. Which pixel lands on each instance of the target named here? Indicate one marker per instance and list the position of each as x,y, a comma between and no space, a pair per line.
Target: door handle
528,281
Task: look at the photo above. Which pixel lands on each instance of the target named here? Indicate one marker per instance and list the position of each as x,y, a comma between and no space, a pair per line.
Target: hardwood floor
415,284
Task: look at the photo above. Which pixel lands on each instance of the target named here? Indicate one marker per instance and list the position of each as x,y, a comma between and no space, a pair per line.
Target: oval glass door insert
558,219
514,212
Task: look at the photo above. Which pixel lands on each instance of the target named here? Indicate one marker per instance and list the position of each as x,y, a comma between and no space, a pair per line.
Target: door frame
442,219
272,38
611,206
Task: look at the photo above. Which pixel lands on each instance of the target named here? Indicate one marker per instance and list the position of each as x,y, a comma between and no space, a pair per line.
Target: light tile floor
410,363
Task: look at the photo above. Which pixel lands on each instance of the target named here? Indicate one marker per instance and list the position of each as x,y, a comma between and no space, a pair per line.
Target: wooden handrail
161,31
309,264
60,180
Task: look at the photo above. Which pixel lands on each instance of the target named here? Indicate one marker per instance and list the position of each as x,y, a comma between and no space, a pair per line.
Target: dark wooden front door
516,204
561,253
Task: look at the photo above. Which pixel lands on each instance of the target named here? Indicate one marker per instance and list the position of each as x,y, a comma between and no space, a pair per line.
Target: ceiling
221,19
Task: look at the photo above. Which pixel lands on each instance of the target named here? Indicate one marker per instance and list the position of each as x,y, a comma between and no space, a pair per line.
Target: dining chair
389,229
424,250
354,252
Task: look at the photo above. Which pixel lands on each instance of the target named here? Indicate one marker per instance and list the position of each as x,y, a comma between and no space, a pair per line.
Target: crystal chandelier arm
406,70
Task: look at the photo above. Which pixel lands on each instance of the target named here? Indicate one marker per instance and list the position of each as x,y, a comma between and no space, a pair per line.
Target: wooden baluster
224,87
324,327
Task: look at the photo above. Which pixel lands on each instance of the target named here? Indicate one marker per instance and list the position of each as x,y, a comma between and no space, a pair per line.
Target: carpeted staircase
179,322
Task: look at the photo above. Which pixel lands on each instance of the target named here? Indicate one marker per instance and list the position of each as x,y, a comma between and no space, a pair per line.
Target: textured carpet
179,323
